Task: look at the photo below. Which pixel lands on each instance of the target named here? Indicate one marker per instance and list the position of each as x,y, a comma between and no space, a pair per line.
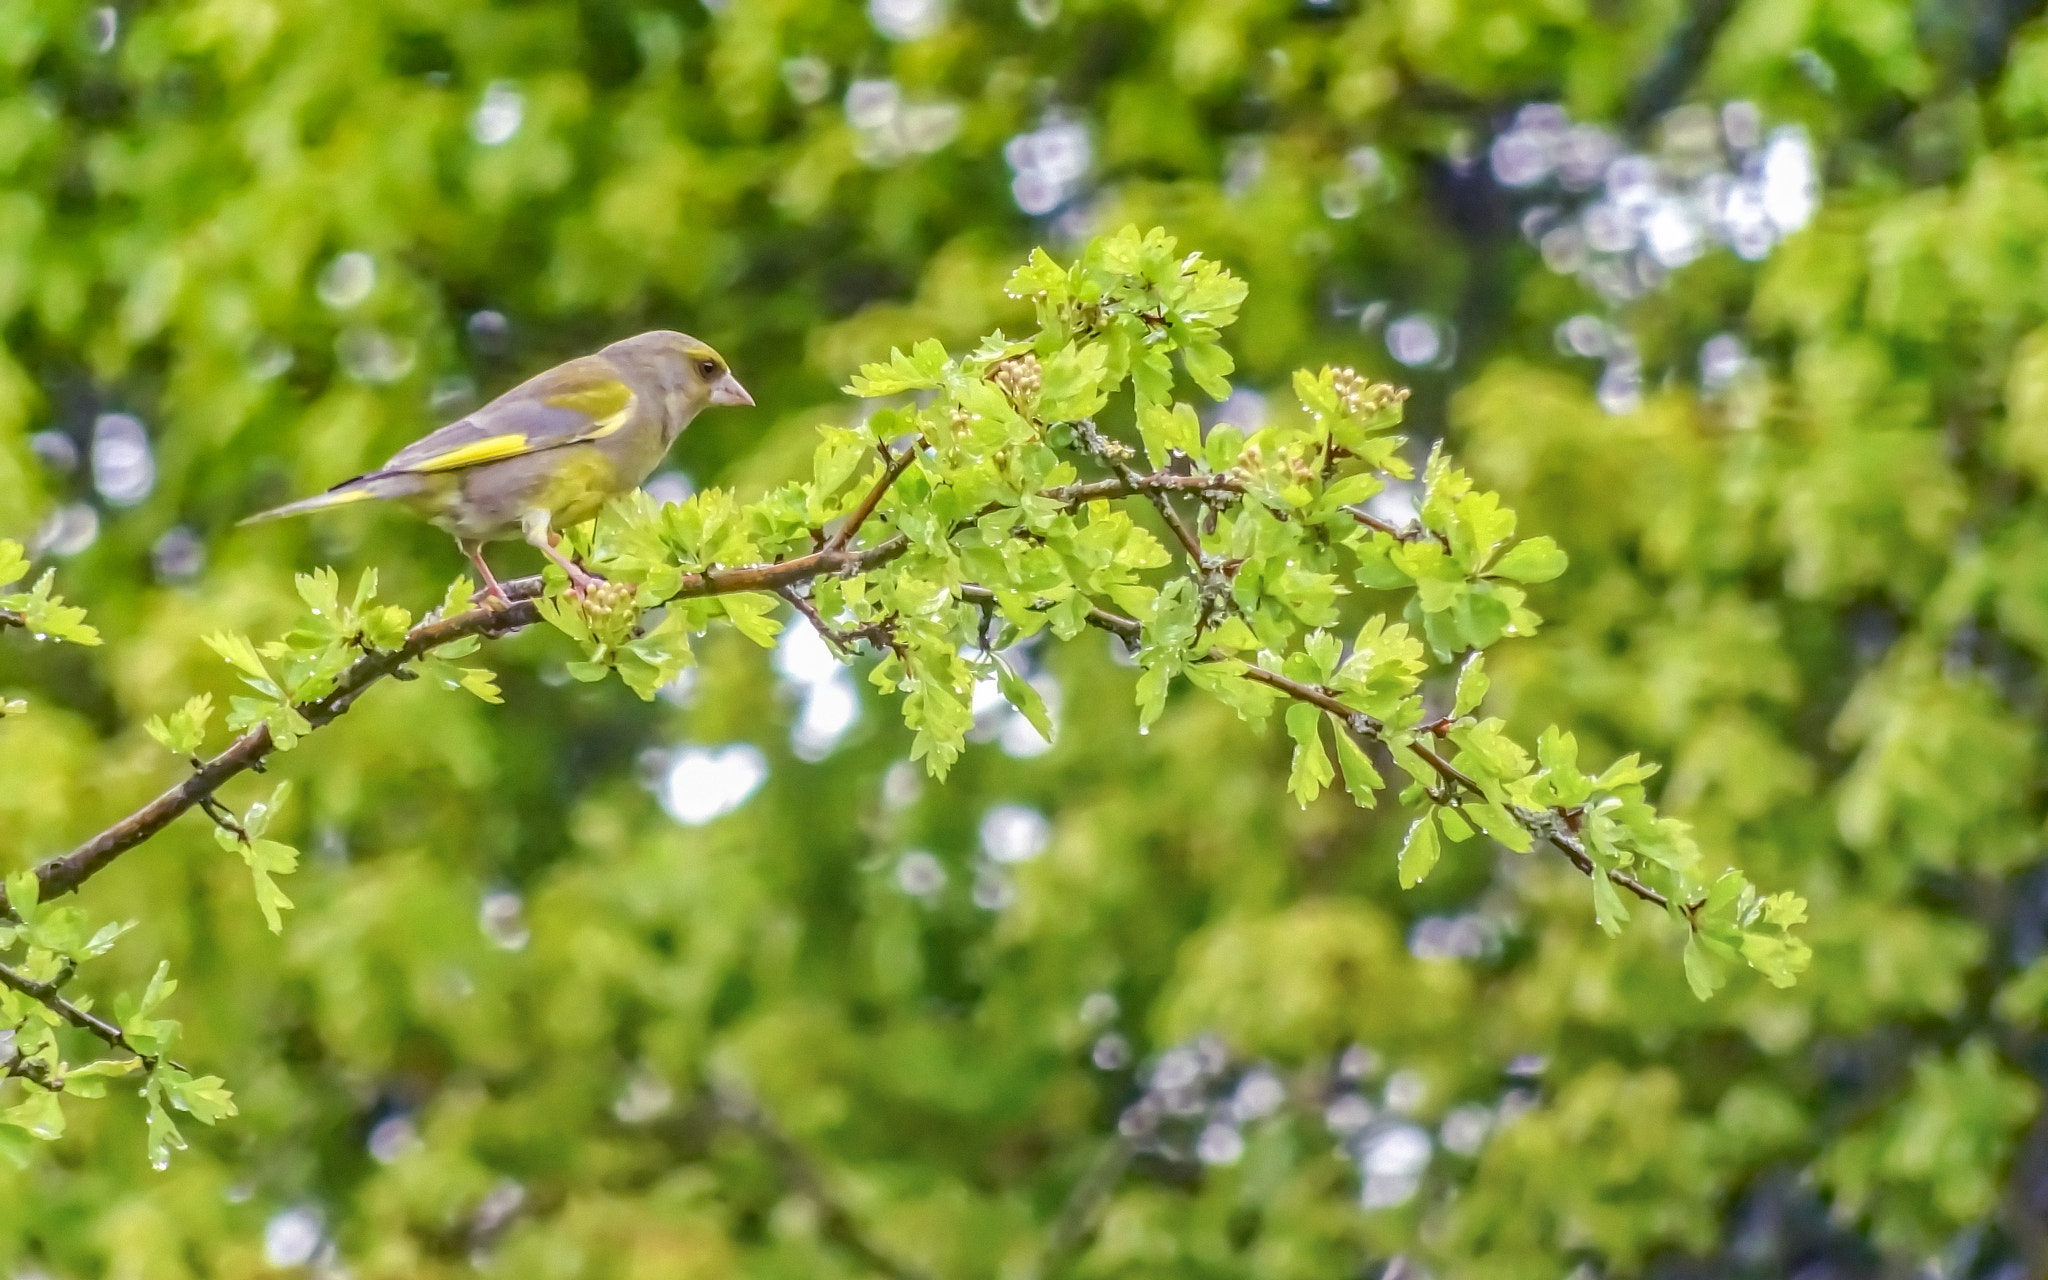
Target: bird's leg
492,591
539,533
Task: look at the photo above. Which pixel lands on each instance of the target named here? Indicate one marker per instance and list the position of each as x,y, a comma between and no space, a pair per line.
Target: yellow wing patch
604,405
607,404
489,449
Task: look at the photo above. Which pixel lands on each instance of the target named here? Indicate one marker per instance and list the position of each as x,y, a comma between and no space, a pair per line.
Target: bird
549,453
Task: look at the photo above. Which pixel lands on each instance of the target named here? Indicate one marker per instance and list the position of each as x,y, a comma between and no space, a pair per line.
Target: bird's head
690,374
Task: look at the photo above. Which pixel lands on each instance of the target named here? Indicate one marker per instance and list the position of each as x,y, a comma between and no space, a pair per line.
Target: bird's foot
581,581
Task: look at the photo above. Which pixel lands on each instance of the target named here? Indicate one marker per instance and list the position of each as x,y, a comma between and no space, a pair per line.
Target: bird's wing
582,400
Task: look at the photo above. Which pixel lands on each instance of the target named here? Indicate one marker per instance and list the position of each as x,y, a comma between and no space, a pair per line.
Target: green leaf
1455,828
163,1135
47,617
267,858
1625,772
1017,691
1472,685
24,893
1419,851
1496,822
1072,383
240,654
257,820
1607,905
752,613
921,370
835,460
483,682
456,599
204,1098
1703,972
1153,683
1360,778
39,1113
186,728
1210,366
1531,560
321,591
1311,771
1375,567
1151,379
1038,275
13,562
1169,430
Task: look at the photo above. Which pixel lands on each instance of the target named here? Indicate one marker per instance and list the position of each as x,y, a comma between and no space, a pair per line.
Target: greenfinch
550,452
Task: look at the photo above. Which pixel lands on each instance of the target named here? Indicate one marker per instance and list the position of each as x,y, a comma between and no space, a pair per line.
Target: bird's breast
571,484
577,489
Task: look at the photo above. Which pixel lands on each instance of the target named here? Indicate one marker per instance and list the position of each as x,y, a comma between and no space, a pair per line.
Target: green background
1807,575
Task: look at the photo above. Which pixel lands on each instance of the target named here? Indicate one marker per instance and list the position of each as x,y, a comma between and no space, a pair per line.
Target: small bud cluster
1360,397
603,599
1019,377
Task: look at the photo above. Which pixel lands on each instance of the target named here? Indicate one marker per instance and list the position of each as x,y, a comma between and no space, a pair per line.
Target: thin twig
1127,483
34,1070
13,618
1365,728
1075,495
893,465
64,874
842,640
737,1107
47,995
1415,532
1106,450
1679,63
1083,1209
1129,630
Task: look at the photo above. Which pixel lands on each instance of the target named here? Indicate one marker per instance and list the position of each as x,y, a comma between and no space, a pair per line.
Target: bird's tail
340,495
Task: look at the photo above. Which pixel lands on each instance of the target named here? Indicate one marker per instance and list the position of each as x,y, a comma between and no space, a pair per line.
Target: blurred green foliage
537,1010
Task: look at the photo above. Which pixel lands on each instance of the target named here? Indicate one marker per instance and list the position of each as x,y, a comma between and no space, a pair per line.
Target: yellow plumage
550,452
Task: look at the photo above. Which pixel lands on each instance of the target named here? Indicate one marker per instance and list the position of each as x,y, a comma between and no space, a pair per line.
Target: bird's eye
709,368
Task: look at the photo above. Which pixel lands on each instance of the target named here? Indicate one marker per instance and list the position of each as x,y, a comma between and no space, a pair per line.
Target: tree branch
64,874
1129,630
1691,42
1075,495
47,995
892,467
13,618
1109,451
879,634
1550,826
1154,487
1083,1208
737,1107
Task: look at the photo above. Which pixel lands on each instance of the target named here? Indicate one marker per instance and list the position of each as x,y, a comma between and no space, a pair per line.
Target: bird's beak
727,390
